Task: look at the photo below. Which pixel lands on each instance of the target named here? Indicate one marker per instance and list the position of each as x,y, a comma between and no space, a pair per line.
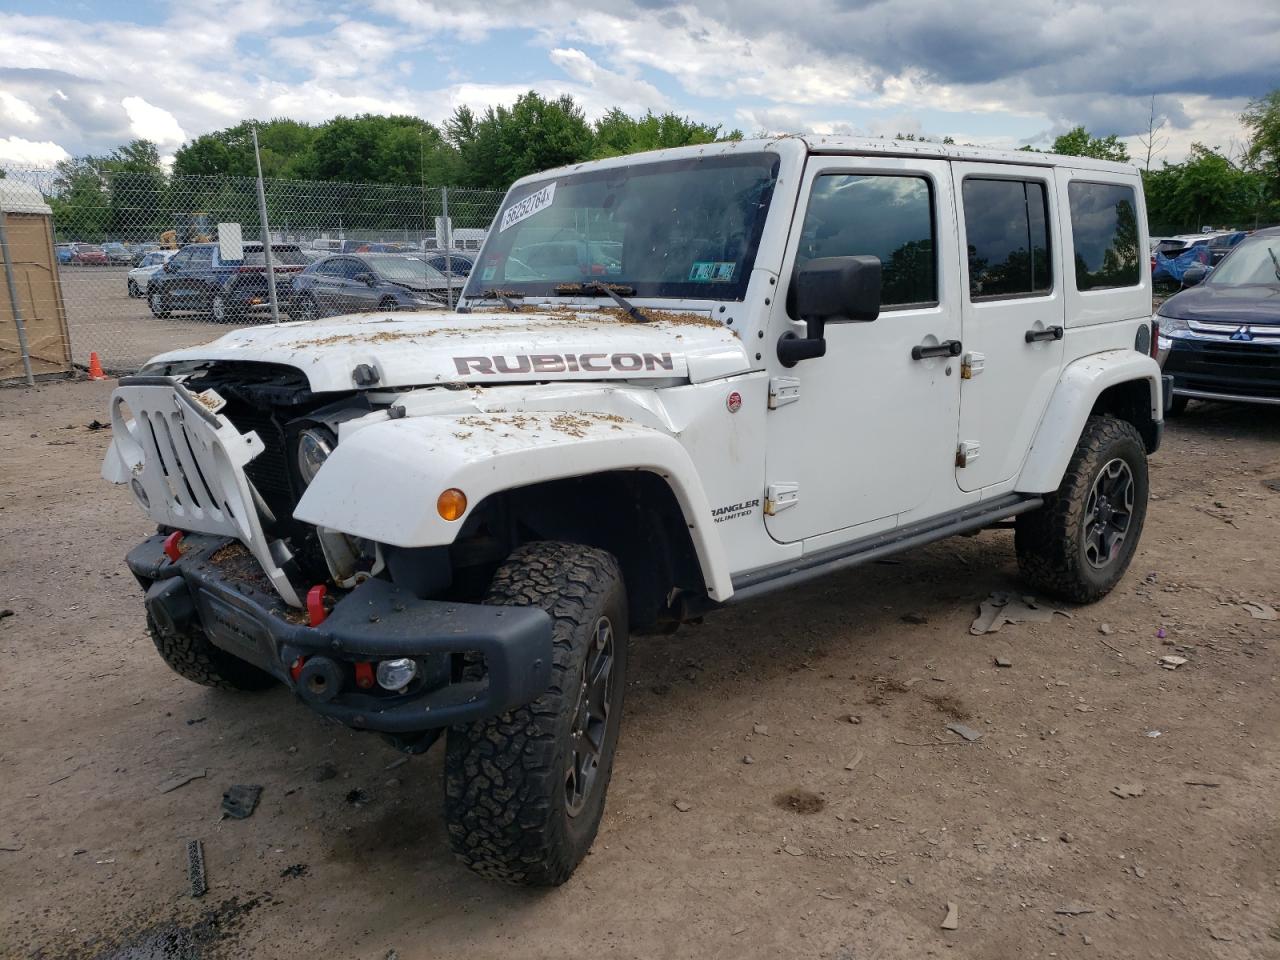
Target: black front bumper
377,620
1225,369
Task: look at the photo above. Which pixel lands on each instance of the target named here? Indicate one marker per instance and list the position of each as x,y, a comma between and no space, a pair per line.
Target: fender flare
382,480
1078,389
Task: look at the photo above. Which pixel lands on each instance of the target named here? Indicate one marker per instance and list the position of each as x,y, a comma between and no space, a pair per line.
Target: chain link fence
141,263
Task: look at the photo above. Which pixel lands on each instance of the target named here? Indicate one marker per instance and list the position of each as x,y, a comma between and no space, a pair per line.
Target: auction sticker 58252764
535,202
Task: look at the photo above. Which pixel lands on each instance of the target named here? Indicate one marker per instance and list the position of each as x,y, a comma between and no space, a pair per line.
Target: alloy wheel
1108,513
591,718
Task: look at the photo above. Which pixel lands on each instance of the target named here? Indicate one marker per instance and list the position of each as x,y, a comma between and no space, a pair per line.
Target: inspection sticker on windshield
533,203
711,271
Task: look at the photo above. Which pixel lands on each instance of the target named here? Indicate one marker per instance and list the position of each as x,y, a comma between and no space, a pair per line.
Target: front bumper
1239,371
235,607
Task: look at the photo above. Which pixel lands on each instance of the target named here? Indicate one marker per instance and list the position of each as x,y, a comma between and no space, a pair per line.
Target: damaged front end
219,458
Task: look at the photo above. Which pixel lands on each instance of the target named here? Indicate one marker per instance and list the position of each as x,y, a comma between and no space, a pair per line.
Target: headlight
1172,325
314,446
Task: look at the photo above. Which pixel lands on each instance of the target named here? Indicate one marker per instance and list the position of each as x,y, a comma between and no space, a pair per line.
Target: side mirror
367,279
170,266
1195,274
830,290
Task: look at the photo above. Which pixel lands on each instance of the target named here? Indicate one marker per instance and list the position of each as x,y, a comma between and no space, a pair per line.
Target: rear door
328,286
1013,314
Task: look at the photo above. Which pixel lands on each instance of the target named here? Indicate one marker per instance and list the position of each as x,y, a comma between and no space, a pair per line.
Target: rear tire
158,303
1078,545
191,656
388,304
525,791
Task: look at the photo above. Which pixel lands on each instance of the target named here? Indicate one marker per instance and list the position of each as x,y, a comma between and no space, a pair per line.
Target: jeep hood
415,349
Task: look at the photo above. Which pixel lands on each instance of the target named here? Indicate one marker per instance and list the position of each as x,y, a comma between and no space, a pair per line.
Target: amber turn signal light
452,504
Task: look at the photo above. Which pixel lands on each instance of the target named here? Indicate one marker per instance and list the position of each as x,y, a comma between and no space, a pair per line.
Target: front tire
525,791
1078,545
191,656
157,302
134,292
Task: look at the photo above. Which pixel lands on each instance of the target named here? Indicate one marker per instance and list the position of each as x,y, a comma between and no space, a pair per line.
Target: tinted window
329,268
890,217
280,255
1007,231
200,256
1104,228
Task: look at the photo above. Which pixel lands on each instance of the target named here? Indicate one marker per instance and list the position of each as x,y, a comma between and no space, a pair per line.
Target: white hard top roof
18,197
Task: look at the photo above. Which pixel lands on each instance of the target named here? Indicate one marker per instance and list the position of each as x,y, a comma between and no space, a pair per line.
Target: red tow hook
364,675
171,548
315,604
295,668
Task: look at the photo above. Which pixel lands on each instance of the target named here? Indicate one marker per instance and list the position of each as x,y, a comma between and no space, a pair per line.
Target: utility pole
266,234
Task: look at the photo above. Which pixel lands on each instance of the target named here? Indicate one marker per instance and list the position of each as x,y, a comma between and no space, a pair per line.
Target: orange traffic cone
95,367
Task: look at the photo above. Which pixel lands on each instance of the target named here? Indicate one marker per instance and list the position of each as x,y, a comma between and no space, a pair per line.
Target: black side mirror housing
367,279
831,290
1195,274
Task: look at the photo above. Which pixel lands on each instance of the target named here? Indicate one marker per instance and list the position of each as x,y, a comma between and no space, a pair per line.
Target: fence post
13,299
448,243
266,235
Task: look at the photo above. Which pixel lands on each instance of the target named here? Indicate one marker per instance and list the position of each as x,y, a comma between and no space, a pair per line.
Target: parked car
140,276
197,278
450,524
89,254
1220,339
1223,244
140,250
458,265
355,283
117,252
64,252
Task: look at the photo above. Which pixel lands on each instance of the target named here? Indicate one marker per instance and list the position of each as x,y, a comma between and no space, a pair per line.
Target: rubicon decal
565,363
734,511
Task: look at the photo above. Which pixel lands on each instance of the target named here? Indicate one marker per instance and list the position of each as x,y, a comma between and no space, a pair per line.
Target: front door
865,436
1013,315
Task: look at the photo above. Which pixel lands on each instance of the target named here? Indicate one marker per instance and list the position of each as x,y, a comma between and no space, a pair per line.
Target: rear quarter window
1104,230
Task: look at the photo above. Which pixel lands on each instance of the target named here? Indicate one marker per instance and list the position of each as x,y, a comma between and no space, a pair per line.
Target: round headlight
314,447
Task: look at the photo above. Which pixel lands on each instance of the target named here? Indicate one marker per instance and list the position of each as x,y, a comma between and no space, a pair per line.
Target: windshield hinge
783,390
780,496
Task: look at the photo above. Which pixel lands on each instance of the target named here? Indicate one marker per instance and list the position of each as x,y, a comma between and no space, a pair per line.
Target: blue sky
80,77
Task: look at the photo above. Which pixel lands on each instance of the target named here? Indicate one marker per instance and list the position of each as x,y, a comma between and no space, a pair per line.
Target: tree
1078,142
617,133
1262,119
1153,143
531,135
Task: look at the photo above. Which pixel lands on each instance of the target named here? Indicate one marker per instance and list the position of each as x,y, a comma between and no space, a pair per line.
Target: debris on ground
240,800
760,729
1171,662
294,870
793,850
952,920
1106,629
96,424
6,613
857,759
1066,837
968,733
1072,911
799,801
10,847
196,877
916,618
1127,790
398,762
850,717
1154,733
1004,662
181,780
748,759
1003,607
1203,783
324,771
1260,611
684,806
358,797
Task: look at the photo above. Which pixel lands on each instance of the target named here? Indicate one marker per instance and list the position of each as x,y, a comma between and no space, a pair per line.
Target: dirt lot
838,840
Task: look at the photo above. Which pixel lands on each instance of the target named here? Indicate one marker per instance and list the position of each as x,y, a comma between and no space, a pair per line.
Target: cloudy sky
80,77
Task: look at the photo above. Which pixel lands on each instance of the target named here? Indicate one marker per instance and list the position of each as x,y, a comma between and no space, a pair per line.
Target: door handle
1048,333
947,348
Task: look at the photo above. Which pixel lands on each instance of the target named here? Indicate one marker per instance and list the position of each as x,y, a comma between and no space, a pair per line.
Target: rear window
1104,230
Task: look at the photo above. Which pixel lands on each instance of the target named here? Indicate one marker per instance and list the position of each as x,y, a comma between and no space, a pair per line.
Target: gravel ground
855,822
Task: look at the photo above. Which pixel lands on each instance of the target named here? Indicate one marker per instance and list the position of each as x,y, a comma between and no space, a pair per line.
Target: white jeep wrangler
675,381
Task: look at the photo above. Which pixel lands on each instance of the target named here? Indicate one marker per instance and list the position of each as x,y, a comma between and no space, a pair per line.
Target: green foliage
1078,142
1206,188
507,143
618,134
1262,120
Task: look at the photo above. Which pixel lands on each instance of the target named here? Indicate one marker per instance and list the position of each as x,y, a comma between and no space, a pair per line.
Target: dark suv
198,278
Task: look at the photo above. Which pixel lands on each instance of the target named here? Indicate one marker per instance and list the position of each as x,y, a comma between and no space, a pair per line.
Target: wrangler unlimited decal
732,512
565,363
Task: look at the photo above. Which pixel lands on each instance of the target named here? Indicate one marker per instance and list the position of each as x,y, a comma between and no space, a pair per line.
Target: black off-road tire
507,800
1050,541
191,656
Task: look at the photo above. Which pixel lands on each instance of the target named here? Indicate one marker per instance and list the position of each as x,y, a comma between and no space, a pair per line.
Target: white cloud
16,110
152,123
31,153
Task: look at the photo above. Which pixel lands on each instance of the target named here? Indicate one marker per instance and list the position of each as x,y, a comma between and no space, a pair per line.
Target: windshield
682,228
280,256
405,269
1252,261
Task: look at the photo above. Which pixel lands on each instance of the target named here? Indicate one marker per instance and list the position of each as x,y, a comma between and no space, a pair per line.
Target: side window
1006,226
329,268
180,258
886,215
1104,228
354,268
201,256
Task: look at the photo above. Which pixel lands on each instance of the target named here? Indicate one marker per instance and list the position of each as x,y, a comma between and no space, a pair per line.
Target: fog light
396,674
452,504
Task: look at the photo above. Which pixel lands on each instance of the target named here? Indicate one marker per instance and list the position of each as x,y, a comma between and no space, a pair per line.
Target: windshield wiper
1274,261
508,299
612,290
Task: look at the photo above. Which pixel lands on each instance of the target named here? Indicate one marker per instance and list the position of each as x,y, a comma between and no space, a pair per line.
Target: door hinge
783,390
972,364
779,496
967,452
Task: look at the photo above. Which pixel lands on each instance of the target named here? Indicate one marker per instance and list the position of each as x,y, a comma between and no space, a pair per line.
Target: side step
755,583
